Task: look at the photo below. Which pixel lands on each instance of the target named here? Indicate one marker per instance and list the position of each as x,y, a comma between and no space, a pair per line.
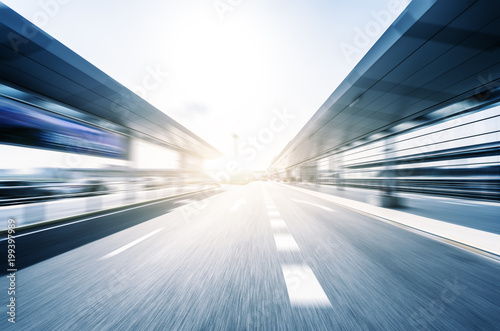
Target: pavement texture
255,257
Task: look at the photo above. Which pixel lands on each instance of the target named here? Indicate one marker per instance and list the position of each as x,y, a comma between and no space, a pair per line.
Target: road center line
313,204
285,242
135,242
303,287
278,223
457,203
237,204
273,213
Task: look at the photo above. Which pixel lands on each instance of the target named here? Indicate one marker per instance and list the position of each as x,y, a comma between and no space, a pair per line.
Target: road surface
255,257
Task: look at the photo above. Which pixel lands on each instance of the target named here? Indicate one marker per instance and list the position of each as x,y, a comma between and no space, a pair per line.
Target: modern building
419,113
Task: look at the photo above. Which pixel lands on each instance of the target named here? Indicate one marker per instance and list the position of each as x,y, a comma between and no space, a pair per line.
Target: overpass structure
418,113
52,99
39,75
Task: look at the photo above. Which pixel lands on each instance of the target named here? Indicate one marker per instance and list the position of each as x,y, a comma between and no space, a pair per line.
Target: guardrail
474,188
53,210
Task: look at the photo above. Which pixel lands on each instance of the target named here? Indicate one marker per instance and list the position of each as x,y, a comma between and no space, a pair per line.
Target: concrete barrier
33,213
478,239
14,212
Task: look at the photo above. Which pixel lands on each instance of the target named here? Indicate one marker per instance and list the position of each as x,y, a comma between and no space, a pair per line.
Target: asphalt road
256,257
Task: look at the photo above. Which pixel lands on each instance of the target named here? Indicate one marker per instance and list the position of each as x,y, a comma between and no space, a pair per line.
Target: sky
258,69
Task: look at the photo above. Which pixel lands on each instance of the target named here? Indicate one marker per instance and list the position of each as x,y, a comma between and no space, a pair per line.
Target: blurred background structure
70,131
381,214
420,113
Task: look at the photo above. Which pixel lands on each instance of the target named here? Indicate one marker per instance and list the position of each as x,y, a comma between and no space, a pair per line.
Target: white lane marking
185,201
484,203
285,242
135,242
237,204
458,203
271,207
98,216
454,200
303,287
273,213
278,223
483,240
313,204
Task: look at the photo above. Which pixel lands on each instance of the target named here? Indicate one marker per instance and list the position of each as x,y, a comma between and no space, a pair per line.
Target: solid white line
313,204
135,242
285,242
458,203
483,240
451,200
484,203
102,215
88,219
237,204
303,287
186,201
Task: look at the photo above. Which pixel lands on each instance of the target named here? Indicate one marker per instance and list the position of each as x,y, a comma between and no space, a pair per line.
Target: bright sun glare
219,65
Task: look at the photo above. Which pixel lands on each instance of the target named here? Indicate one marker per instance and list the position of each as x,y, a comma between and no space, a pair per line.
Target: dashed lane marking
237,204
273,213
313,204
133,243
285,242
303,287
278,223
